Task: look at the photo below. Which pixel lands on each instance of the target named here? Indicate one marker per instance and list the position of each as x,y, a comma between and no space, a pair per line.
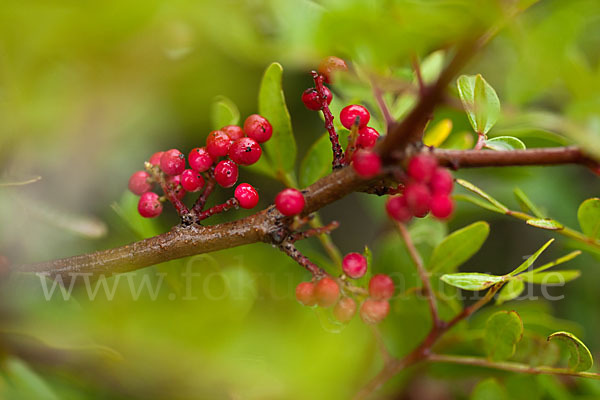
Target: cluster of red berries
330,292
427,188
225,149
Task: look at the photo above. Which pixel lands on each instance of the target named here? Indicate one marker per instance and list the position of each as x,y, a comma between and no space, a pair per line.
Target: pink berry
418,198
174,184
327,292
138,183
312,100
245,151
367,164
367,138
329,65
217,144
200,159
345,309
172,162
349,114
290,202
246,195
258,128
381,287
397,209
233,131
226,173
305,293
373,311
441,206
354,265
421,167
441,181
149,205
155,159
191,180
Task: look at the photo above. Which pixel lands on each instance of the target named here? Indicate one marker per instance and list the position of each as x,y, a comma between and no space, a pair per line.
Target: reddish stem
352,142
218,209
314,231
169,192
480,141
208,189
291,250
338,155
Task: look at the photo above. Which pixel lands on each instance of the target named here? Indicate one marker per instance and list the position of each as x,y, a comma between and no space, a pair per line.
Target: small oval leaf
580,357
223,112
588,215
473,281
281,148
317,161
480,102
503,330
458,247
510,291
504,143
545,223
552,277
436,135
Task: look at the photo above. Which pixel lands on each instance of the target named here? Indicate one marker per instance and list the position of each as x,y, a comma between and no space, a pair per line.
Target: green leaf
580,357
531,259
281,148
469,186
458,247
368,256
477,201
545,223
473,281
558,261
510,291
488,389
126,208
588,215
551,278
503,330
526,204
432,66
223,112
480,102
504,143
317,161
459,141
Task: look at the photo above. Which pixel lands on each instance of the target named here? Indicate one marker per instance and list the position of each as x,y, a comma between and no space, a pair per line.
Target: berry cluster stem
338,154
208,189
314,231
291,250
218,209
180,207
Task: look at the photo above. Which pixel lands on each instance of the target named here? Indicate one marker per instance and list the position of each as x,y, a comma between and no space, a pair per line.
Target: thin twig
508,366
291,250
338,155
423,275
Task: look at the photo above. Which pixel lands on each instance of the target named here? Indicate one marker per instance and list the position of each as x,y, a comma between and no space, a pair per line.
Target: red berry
373,312
258,128
200,159
441,206
345,309
354,265
217,144
233,131
149,205
305,293
349,113
397,209
367,164
172,162
367,137
312,100
155,159
174,184
138,183
329,65
381,287
226,173
191,180
289,202
327,292
441,181
246,195
418,198
421,167
245,151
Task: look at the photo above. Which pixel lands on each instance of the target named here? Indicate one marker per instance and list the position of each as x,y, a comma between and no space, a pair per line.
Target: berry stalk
338,154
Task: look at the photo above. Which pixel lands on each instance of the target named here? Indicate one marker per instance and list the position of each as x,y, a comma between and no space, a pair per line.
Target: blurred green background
90,89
